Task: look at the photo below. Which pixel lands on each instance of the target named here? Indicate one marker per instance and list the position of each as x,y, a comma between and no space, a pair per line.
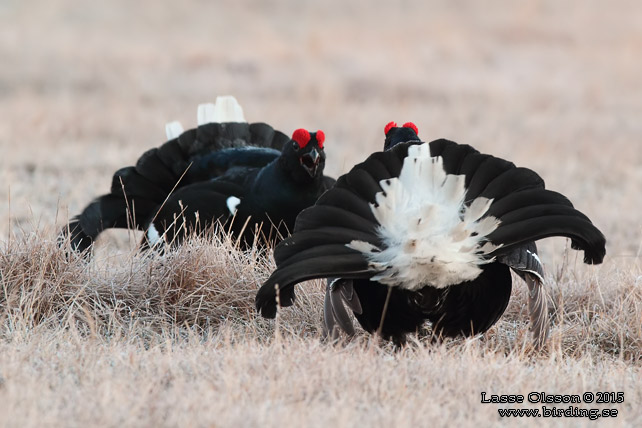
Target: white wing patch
232,204
535,256
173,129
430,236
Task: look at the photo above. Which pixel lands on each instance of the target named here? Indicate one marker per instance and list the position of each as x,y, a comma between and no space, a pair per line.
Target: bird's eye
295,146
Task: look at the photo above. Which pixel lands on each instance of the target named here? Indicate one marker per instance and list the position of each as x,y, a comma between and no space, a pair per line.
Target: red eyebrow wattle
302,137
320,138
411,126
388,127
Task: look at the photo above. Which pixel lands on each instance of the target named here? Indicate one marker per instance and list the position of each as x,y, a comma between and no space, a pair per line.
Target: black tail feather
487,171
263,135
542,210
338,250
509,182
584,235
128,182
362,183
284,278
173,157
151,166
526,198
345,199
333,216
455,156
382,166
307,239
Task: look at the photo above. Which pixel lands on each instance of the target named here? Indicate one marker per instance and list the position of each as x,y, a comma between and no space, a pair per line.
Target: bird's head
304,156
400,134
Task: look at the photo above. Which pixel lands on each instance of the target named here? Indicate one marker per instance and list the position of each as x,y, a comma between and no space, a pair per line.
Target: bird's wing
193,208
523,260
218,164
537,308
339,293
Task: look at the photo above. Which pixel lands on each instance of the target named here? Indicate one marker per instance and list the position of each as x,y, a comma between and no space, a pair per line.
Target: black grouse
223,145
251,202
427,232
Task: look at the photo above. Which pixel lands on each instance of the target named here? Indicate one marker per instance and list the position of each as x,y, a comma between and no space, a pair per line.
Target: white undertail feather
430,236
173,129
152,235
535,272
205,113
227,109
535,256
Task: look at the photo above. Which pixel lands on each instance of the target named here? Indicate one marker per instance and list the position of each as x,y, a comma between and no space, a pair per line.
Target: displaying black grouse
251,202
223,149
427,232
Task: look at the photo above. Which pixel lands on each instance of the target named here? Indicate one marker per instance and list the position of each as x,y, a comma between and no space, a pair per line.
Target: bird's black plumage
323,245
201,168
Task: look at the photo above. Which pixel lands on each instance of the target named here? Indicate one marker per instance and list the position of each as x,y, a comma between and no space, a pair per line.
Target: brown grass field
149,340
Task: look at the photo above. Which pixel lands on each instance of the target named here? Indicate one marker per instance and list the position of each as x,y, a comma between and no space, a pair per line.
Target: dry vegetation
172,340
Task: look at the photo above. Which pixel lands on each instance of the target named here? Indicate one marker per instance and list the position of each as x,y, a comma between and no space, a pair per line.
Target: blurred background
85,88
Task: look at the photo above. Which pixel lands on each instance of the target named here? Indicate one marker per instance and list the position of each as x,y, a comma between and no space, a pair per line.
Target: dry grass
205,283
172,340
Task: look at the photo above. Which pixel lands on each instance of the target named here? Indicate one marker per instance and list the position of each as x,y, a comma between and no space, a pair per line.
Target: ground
129,340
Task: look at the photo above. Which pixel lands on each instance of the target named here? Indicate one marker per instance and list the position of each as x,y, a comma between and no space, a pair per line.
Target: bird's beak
310,161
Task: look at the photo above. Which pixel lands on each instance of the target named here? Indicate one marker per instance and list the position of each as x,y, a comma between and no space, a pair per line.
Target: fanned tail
336,238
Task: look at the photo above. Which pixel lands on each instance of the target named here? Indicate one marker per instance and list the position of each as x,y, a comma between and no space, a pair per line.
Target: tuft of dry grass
199,285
